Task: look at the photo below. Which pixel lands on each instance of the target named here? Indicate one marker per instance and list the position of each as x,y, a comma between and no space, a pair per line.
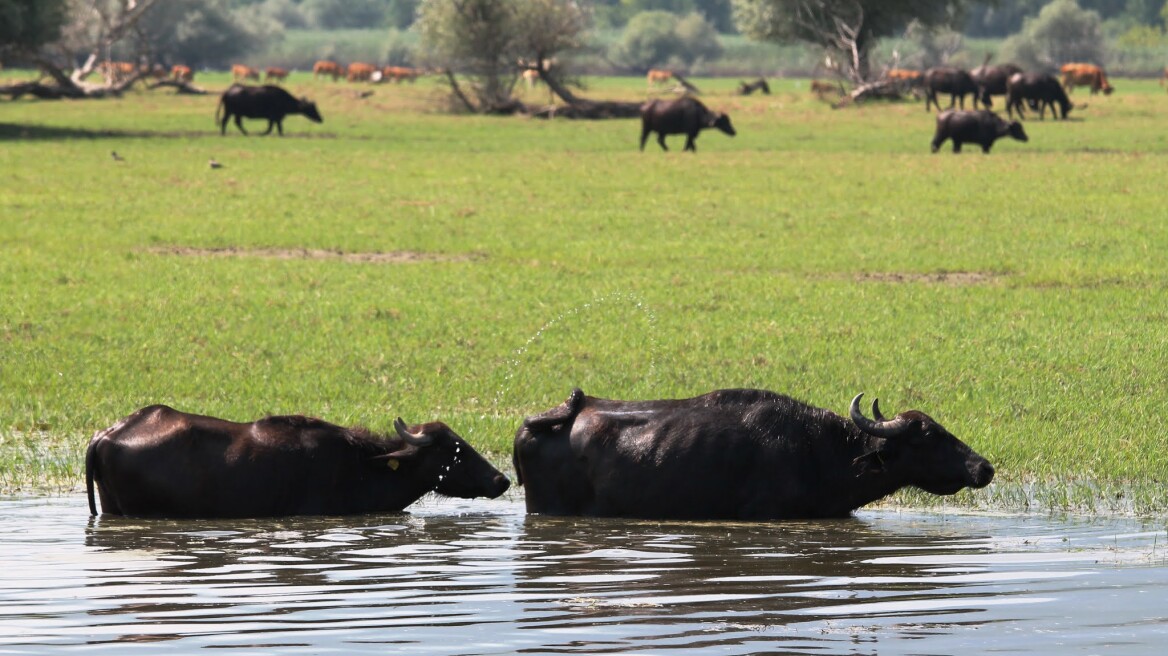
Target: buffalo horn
413,439
879,428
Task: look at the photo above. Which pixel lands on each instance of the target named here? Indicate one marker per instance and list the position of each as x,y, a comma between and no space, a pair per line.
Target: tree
26,25
846,29
489,42
650,39
144,33
653,39
200,32
1062,32
87,33
339,14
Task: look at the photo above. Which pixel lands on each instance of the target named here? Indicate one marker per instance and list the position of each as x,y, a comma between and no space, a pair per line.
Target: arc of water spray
611,298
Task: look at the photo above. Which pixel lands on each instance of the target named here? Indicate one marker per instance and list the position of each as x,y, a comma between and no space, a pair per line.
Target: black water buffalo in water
991,81
164,463
1036,89
685,116
980,126
268,101
953,81
731,454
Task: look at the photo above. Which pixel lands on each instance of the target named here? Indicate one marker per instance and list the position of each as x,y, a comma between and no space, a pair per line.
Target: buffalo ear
393,459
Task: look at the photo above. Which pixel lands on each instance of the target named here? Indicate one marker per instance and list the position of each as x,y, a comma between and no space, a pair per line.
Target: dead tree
111,27
581,108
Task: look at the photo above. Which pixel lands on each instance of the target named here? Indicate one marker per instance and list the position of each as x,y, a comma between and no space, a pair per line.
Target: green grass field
400,260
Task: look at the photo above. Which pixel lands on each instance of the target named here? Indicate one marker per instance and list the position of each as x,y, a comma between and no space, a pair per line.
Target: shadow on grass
18,132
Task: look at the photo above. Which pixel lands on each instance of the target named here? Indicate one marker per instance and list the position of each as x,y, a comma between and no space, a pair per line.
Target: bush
656,38
1062,32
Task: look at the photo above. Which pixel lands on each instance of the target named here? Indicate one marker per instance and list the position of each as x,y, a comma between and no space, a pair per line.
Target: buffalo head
1016,131
722,122
920,451
460,470
308,108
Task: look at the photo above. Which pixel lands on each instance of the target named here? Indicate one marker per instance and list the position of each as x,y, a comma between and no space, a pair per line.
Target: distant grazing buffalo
270,102
747,88
979,126
1036,88
731,454
164,463
991,81
684,115
953,81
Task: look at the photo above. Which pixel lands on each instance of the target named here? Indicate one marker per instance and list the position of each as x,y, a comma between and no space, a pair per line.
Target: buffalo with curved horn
731,454
160,462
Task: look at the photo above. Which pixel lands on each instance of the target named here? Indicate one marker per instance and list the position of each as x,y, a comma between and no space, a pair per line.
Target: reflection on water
457,577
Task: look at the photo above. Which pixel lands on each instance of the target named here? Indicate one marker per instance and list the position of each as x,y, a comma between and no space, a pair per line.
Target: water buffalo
953,81
268,101
991,81
980,126
747,88
1038,88
164,463
684,115
731,454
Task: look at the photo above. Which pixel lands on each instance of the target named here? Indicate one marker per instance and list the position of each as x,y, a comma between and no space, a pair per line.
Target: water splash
618,298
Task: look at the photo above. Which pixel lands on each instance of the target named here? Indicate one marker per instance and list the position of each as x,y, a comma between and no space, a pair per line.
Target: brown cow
242,72
360,72
116,71
1085,75
160,462
275,74
658,76
326,67
821,88
400,73
180,73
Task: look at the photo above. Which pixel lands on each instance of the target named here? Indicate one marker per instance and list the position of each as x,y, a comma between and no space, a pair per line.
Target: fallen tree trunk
884,89
182,87
64,86
582,108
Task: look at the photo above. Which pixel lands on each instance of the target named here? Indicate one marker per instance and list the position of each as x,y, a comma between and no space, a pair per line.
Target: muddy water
457,577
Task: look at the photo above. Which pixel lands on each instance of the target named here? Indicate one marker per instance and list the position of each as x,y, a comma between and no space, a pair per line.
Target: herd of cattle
688,116
1037,91
116,71
730,454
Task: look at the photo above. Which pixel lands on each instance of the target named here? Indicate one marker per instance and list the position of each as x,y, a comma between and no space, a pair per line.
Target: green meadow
401,260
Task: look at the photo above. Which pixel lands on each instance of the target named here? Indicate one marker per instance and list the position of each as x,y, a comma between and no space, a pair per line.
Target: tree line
67,38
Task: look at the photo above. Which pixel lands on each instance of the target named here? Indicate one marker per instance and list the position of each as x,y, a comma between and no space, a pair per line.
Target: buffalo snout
723,124
1017,132
982,472
309,110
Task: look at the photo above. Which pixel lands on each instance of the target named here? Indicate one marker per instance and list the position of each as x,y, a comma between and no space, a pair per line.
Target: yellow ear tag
393,463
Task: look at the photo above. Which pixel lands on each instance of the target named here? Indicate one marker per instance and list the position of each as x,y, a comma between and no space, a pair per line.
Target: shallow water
456,577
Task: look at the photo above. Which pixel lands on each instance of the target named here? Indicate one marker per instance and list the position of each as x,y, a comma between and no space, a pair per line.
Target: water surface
457,577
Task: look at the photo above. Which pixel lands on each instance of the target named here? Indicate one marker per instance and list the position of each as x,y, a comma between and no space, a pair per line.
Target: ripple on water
481,578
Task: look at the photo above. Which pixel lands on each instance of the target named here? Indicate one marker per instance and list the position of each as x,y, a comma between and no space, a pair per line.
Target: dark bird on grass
364,94
117,158
213,163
